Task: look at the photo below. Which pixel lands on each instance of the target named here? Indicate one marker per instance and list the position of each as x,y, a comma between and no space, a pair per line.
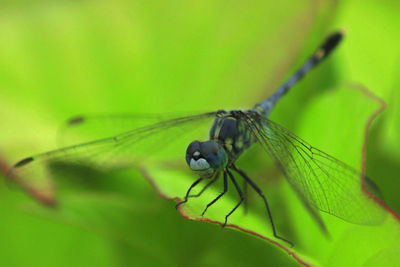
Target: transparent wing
327,183
166,141
82,129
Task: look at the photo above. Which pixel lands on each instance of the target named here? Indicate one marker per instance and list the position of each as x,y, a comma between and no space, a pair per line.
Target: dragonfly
321,181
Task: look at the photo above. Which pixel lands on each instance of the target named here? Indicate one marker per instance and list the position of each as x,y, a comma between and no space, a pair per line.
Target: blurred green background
63,58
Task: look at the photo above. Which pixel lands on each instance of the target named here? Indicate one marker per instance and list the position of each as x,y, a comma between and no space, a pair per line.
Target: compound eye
209,148
192,149
205,158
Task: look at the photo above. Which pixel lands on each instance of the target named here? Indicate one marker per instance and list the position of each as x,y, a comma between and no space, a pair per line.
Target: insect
321,181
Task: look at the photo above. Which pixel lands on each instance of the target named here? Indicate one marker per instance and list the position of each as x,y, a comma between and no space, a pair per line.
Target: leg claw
180,203
226,221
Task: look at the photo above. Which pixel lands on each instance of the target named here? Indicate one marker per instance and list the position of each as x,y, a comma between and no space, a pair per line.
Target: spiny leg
240,195
220,195
206,186
188,192
261,194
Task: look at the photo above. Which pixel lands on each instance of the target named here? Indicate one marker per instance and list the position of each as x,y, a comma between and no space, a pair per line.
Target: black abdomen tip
331,42
23,162
76,120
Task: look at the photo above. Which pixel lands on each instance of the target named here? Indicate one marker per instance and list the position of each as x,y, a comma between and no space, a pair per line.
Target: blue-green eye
206,158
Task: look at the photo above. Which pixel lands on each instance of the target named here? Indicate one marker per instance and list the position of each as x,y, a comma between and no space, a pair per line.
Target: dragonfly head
206,158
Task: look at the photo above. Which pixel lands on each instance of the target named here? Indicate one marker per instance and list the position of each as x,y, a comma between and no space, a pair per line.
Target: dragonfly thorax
206,158
233,133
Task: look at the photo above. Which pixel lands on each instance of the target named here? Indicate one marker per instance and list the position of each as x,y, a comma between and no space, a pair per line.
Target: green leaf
66,58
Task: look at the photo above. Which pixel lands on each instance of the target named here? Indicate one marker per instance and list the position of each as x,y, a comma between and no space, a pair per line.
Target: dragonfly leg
188,192
261,194
245,196
240,195
219,196
205,187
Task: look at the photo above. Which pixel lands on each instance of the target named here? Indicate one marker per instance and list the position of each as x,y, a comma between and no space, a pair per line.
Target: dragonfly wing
153,142
325,182
82,129
313,211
